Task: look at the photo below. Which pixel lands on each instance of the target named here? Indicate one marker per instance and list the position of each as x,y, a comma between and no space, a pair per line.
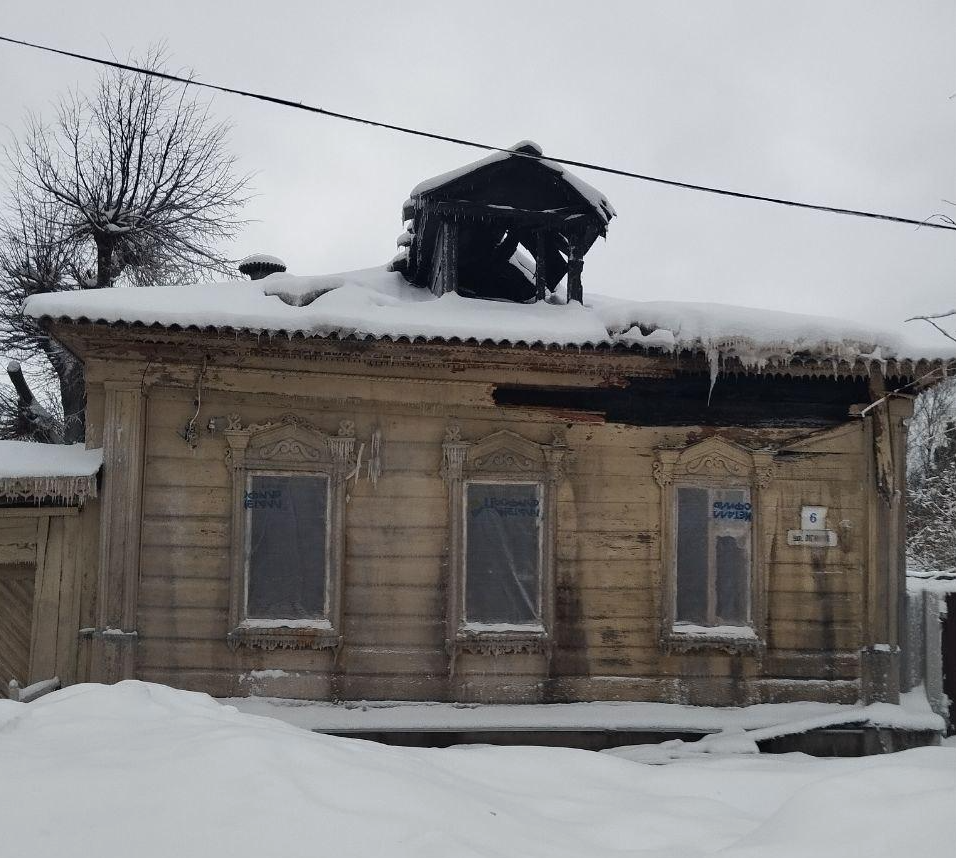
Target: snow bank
376,303
143,770
394,715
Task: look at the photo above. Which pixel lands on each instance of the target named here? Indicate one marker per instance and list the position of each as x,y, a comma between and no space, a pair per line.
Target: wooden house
459,480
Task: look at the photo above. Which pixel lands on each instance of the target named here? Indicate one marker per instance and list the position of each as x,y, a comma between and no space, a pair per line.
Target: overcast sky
843,103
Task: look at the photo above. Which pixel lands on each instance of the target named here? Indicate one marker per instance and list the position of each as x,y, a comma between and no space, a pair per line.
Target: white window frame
714,463
288,446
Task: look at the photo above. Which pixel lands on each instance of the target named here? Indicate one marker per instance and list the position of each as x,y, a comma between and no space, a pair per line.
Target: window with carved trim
712,548
287,564
288,514
502,553
713,556
502,517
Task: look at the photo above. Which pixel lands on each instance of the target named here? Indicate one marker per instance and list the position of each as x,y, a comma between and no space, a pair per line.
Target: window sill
279,634
734,640
501,638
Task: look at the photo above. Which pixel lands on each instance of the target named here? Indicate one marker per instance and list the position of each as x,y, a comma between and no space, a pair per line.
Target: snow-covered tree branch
132,184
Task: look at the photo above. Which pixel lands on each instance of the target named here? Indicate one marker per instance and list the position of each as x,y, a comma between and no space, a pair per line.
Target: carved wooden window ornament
288,509
502,515
712,546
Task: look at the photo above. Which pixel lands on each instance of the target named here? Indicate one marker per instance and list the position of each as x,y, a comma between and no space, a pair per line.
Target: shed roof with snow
47,472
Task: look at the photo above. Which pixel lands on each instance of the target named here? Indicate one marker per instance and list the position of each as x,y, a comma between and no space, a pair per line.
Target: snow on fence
923,652
32,692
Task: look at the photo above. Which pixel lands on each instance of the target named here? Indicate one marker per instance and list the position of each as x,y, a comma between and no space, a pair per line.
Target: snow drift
144,770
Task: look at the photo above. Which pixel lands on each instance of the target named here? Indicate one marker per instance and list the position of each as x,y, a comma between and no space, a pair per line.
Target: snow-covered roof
592,195
379,304
30,470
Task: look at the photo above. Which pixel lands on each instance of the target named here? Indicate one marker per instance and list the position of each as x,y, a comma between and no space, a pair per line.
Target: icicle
713,359
59,489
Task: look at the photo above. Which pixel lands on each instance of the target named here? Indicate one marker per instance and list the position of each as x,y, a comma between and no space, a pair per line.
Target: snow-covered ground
141,770
766,720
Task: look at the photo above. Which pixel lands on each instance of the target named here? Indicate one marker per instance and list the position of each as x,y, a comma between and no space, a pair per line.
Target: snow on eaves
31,471
29,459
379,304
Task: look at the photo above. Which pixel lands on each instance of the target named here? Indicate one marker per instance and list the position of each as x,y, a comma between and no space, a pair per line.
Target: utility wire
297,105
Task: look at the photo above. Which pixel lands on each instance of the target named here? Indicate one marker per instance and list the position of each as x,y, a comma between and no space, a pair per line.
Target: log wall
608,571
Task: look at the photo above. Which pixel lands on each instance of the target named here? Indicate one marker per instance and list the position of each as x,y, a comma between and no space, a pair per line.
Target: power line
297,105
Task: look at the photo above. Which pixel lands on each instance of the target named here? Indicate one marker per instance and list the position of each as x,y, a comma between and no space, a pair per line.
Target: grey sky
843,103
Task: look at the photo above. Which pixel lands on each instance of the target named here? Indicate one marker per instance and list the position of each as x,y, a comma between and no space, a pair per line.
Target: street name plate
813,538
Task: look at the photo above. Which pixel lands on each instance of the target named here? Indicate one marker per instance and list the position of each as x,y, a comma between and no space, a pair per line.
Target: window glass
286,550
503,553
692,516
713,556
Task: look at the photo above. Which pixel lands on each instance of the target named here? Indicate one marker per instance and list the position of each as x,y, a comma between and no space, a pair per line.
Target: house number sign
813,529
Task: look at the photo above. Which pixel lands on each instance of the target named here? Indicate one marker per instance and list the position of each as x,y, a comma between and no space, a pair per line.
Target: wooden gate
16,622
40,572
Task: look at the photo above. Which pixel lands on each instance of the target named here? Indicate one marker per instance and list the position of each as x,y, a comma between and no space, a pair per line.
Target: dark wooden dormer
508,227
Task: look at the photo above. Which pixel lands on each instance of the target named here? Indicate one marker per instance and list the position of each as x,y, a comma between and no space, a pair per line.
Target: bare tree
132,185
930,427
931,507
931,469
935,320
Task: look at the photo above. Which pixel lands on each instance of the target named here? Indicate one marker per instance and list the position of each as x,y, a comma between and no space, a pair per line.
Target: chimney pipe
261,265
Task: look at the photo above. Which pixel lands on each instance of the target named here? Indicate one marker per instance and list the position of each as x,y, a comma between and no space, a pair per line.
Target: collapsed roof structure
510,226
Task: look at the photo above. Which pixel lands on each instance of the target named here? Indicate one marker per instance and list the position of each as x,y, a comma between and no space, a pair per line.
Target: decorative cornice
503,460
290,448
289,419
290,439
715,464
714,458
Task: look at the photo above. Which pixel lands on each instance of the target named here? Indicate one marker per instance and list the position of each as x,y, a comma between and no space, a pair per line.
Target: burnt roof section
509,227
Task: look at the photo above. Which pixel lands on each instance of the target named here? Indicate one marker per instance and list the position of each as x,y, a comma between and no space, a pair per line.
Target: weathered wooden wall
608,545
44,553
